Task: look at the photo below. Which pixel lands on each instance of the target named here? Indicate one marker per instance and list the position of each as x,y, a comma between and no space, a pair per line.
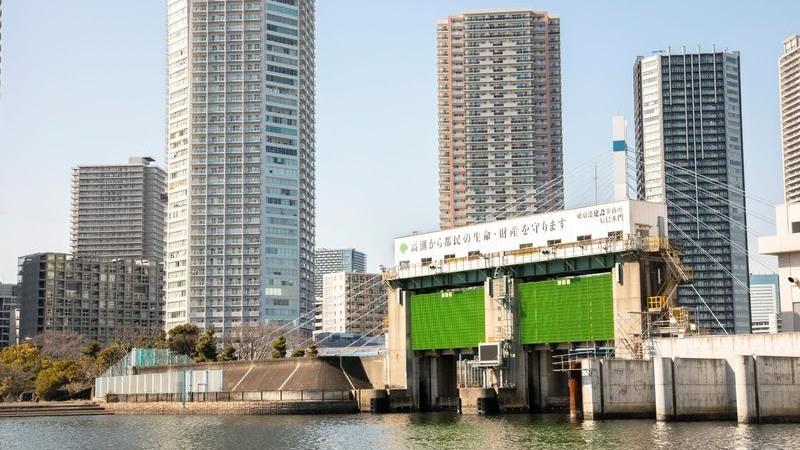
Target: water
391,431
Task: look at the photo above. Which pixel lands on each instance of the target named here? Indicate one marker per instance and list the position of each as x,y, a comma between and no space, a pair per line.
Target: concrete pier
663,387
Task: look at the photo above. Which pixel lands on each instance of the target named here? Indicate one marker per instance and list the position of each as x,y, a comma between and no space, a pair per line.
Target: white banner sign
540,230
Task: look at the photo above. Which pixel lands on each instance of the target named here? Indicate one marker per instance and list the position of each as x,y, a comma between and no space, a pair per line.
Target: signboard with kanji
541,230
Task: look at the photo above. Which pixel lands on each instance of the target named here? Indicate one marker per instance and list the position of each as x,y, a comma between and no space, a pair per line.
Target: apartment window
795,227
585,237
552,242
426,261
450,256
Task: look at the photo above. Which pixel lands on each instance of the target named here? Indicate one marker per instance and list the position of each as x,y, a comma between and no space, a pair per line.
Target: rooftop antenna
619,146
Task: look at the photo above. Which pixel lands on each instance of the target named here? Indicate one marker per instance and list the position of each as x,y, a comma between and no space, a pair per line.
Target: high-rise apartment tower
118,210
785,244
499,76
689,155
240,215
789,72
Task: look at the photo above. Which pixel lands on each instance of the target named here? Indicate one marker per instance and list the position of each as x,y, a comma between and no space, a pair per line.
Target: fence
174,382
247,396
145,357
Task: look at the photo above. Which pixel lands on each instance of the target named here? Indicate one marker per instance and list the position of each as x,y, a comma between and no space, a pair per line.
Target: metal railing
528,255
244,396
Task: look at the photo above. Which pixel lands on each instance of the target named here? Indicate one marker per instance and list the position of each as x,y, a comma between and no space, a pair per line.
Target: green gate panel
444,320
577,309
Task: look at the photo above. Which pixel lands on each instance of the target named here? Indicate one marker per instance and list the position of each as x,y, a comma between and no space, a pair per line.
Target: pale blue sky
83,82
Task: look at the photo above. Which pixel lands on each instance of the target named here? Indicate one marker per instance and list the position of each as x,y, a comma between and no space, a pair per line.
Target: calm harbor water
391,431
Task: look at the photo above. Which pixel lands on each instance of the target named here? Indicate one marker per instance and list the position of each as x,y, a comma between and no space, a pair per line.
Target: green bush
312,350
206,348
298,352
279,348
228,353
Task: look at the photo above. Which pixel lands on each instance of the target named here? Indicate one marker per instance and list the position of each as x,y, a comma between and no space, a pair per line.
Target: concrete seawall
749,389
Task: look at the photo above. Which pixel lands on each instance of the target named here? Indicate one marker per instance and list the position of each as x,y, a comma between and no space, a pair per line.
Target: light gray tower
689,154
118,210
240,216
499,81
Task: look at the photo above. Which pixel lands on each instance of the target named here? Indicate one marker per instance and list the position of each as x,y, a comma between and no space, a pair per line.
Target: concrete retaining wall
703,389
778,388
618,389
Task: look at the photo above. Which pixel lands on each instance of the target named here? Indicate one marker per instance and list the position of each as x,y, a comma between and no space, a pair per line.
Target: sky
83,82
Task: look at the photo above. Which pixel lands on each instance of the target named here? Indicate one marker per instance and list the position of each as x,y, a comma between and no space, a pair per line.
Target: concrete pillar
545,369
592,389
575,401
627,307
434,383
744,371
664,389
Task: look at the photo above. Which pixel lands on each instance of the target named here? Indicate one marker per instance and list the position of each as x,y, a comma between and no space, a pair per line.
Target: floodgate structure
494,315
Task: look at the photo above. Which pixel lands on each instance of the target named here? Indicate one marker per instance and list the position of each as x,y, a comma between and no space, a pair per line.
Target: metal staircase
664,317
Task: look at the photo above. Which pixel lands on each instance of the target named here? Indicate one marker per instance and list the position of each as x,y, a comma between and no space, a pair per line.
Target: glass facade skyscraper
240,217
689,155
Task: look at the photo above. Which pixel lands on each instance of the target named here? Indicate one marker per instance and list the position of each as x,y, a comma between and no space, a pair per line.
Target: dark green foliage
228,353
206,348
279,348
183,339
312,350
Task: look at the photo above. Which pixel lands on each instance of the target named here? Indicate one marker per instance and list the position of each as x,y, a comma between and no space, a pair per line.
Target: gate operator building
492,309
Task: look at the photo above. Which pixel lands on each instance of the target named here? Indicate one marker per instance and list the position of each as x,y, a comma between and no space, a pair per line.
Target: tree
228,353
92,349
25,356
298,352
279,347
51,380
13,381
60,344
160,340
182,339
206,347
312,350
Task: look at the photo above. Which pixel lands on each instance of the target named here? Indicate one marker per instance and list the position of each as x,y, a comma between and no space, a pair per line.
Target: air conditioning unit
490,354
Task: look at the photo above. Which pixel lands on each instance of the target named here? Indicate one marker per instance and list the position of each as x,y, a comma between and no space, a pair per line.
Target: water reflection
391,431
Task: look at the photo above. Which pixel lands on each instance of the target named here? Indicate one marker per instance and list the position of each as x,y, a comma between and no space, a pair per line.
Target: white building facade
240,215
765,303
354,303
785,244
